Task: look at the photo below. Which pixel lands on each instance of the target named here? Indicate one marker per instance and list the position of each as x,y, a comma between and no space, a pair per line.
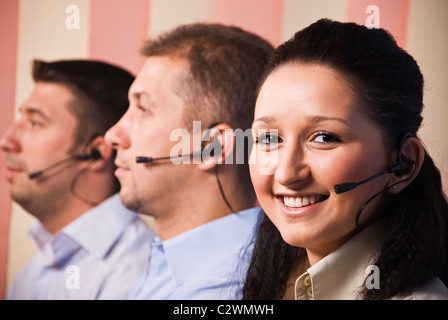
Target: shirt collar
210,244
341,274
96,231
39,235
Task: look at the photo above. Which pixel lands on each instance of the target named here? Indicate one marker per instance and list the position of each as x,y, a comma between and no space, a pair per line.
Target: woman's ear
219,148
412,151
100,153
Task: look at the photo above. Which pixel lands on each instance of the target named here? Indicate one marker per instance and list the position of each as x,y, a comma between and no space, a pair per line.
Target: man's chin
129,200
29,202
20,195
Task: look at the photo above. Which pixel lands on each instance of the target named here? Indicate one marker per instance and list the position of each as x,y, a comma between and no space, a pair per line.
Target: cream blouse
342,274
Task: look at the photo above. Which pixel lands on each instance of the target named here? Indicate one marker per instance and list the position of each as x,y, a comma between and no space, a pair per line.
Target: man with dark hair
60,170
199,80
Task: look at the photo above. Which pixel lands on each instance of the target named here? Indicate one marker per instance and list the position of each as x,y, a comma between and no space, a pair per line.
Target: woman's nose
292,167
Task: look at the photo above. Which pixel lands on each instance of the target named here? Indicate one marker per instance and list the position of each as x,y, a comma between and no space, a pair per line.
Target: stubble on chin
37,205
130,200
22,194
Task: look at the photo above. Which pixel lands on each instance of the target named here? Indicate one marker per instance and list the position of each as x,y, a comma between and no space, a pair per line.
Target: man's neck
56,217
168,227
188,218
196,206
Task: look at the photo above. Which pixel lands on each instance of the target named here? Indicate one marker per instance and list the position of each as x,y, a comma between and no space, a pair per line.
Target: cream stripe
427,43
298,14
167,14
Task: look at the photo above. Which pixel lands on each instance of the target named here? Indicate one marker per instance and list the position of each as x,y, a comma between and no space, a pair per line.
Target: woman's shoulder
435,289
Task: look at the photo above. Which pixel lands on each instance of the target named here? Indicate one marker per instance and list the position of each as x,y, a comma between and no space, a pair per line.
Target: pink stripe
118,29
263,17
9,20
393,15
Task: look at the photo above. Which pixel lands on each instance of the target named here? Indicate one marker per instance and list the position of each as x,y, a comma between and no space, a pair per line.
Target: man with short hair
198,85
61,171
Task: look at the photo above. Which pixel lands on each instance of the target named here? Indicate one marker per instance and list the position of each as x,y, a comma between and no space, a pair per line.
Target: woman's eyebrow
313,119
265,119
317,119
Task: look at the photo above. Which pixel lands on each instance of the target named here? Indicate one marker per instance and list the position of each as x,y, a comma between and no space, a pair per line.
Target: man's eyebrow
137,95
142,95
29,110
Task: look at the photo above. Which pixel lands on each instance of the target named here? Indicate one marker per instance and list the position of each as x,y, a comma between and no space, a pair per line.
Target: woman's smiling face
312,132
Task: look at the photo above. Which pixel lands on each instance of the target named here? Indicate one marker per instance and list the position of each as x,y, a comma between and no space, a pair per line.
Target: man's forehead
44,89
159,65
48,100
158,73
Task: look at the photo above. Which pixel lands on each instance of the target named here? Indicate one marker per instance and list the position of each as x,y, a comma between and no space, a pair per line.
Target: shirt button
55,267
307,281
309,292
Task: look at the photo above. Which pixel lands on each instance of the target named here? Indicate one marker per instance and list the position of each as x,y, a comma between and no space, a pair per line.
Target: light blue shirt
97,256
208,262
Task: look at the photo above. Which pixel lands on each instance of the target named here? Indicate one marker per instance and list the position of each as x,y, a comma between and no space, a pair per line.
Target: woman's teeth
299,202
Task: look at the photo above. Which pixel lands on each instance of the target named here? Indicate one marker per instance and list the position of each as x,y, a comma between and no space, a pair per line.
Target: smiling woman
341,102
324,138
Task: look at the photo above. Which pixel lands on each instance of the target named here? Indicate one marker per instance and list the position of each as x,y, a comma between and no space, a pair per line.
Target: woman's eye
267,140
325,138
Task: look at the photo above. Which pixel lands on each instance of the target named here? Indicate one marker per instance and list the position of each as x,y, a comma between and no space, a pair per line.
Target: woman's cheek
262,182
263,163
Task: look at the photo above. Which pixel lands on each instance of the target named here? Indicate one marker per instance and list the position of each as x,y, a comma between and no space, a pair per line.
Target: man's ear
412,150
220,148
100,153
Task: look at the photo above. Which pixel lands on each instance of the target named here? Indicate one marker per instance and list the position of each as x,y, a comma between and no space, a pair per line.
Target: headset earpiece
402,166
94,155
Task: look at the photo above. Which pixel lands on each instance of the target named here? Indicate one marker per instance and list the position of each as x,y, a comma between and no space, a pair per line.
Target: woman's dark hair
388,86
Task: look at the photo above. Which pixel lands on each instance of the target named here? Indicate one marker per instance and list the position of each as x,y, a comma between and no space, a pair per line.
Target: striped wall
113,30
